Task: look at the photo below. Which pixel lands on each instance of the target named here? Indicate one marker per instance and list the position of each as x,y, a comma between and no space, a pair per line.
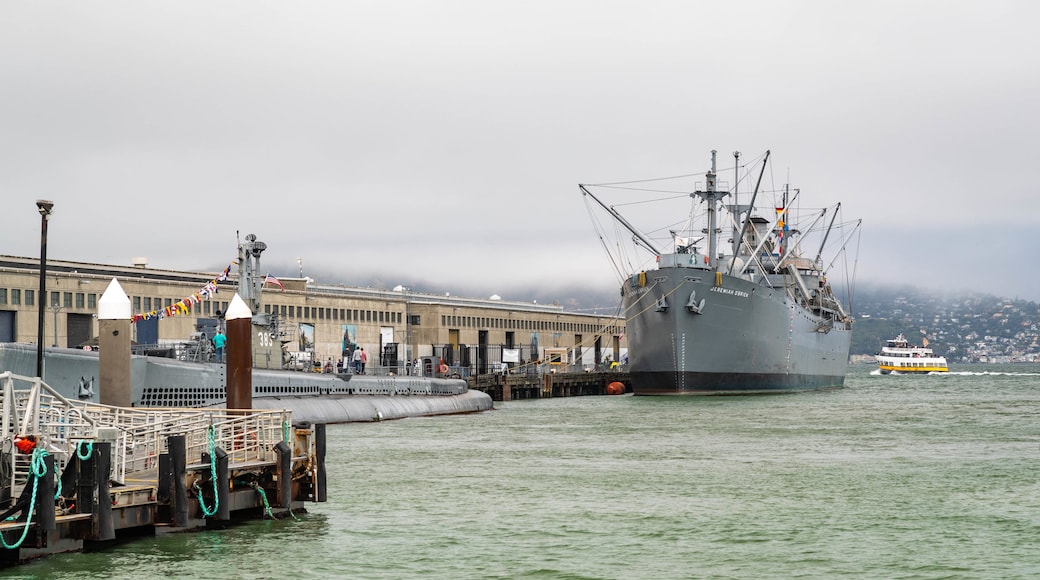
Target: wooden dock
78,475
512,387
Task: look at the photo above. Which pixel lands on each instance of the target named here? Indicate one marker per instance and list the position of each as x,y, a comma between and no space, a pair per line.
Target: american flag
274,281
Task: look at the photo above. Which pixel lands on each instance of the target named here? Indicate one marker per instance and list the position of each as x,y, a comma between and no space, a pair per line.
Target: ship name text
730,291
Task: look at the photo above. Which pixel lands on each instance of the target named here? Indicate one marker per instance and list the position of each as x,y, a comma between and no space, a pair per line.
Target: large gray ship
758,315
186,374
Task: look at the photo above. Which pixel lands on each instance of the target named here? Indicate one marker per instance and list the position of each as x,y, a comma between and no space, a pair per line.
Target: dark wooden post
284,474
239,355
45,497
319,457
177,446
223,485
106,527
85,488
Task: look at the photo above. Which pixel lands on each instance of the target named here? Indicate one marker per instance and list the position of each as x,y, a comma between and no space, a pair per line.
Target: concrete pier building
319,322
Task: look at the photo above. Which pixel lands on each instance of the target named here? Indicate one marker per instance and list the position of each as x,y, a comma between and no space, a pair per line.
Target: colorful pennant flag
184,306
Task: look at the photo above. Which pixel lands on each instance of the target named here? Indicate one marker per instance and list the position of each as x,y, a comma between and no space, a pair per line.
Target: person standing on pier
219,340
364,360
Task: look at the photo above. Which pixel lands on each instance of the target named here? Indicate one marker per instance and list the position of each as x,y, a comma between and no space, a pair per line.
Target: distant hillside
963,327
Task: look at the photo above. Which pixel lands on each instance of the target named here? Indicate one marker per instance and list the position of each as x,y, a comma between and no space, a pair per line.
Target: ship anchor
692,305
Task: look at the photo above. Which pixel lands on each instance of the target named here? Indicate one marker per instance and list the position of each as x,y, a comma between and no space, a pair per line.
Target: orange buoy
616,388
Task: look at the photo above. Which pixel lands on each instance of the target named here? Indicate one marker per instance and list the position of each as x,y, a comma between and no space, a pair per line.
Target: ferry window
30,297
3,295
80,300
16,296
91,301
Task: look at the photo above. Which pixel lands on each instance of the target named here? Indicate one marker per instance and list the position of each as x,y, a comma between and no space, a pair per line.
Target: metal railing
138,436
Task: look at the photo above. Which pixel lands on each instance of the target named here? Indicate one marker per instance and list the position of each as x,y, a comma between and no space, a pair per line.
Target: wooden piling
223,485
178,460
284,474
103,466
239,355
114,347
319,455
45,497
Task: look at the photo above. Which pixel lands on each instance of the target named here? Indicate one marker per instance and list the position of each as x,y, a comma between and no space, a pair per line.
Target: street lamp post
45,207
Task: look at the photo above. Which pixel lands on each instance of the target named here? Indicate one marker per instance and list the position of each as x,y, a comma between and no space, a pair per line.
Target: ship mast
249,282
711,198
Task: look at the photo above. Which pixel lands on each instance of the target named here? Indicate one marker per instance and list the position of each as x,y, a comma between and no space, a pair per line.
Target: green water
890,477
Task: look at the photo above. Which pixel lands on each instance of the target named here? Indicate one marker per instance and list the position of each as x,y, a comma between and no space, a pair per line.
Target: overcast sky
444,141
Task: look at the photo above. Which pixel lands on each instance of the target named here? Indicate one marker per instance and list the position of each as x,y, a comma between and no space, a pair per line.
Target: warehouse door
81,329
6,326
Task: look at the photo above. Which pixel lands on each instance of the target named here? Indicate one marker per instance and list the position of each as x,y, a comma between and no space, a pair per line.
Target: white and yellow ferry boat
899,356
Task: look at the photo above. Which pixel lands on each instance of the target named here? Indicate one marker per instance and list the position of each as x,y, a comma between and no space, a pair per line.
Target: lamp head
45,206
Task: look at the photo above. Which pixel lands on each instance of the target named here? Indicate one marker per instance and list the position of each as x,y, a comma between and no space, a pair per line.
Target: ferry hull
693,334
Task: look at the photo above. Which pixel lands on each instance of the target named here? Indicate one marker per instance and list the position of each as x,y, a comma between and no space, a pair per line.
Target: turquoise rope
37,469
57,476
263,497
79,449
206,512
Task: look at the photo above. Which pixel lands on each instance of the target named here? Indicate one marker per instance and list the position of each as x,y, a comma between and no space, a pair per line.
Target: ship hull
693,333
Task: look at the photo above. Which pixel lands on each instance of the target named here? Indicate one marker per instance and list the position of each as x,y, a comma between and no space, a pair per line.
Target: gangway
177,469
